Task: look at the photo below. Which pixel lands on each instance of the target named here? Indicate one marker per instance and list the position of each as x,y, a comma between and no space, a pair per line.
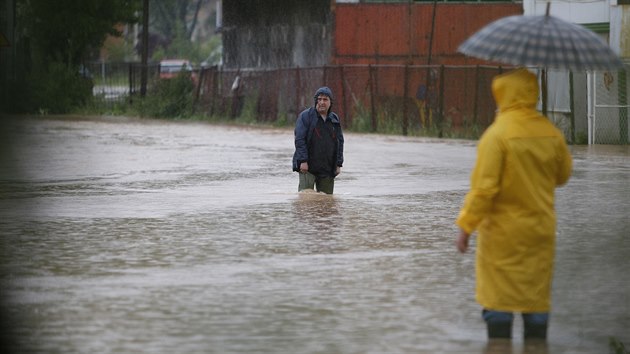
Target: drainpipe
590,94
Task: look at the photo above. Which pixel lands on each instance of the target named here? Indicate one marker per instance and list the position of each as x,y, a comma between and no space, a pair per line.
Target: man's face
323,104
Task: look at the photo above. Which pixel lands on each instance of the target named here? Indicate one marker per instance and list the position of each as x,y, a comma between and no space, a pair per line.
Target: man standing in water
521,158
318,153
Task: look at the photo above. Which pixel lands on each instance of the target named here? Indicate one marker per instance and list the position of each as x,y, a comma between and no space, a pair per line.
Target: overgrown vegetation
55,37
170,98
52,88
616,346
207,52
389,120
173,99
58,87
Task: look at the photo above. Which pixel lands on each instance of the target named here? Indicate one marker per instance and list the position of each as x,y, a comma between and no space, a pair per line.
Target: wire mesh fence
610,115
116,83
408,100
442,101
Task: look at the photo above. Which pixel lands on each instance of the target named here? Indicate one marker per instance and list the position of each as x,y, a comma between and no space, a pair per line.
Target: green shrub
361,121
169,98
17,98
248,113
581,138
55,89
616,346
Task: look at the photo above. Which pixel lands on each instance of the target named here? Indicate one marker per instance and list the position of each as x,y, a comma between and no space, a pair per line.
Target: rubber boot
500,330
499,323
537,331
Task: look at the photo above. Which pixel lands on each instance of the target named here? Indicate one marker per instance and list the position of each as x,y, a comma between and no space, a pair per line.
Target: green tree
67,30
171,18
56,37
172,26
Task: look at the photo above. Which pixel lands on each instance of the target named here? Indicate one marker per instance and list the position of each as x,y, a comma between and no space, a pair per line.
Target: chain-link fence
408,100
609,121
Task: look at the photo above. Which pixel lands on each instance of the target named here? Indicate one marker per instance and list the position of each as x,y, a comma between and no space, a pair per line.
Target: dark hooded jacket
304,126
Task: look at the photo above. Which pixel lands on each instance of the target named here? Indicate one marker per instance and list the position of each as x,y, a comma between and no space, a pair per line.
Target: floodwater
127,236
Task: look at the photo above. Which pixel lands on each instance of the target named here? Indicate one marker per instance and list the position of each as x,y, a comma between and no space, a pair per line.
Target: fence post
440,115
343,96
571,108
623,106
235,92
405,120
200,81
130,83
212,88
298,84
371,72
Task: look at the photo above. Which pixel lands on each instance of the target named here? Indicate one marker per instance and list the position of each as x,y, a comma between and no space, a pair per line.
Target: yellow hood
515,89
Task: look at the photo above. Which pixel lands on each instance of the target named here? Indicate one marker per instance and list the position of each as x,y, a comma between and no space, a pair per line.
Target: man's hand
337,171
462,241
304,167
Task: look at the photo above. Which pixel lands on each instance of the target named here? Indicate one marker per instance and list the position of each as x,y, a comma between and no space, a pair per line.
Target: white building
598,101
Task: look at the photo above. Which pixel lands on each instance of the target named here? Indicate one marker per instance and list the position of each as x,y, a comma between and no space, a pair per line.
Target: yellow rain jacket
521,158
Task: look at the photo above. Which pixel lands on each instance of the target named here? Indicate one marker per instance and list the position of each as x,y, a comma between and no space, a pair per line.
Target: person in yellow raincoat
521,158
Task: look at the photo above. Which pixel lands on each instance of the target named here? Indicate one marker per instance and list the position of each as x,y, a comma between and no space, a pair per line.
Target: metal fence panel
449,101
610,119
116,83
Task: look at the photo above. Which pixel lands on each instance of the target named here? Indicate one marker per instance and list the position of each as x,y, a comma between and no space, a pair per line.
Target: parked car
170,68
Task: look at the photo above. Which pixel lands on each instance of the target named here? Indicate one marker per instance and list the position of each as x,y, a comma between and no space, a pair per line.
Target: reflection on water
123,235
505,346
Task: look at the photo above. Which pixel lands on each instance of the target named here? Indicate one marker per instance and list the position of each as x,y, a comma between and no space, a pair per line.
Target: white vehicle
170,68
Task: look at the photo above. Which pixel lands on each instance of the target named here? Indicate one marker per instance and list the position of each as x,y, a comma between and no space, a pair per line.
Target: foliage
119,51
182,47
59,36
67,30
361,121
283,120
55,89
17,99
170,18
212,51
391,122
248,113
179,47
617,347
581,138
99,105
174,25
169,98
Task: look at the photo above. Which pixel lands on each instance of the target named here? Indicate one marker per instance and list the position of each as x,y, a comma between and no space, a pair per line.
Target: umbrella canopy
541,41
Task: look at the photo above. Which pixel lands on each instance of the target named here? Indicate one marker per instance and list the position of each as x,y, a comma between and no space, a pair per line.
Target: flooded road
123,235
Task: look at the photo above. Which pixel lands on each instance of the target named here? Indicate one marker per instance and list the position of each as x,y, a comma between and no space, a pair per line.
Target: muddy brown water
123,235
